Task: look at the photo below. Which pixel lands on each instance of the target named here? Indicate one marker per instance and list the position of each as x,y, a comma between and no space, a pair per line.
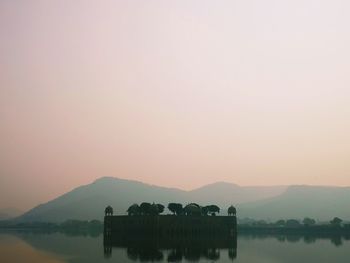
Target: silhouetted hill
8,213
226,194
88,202
318,202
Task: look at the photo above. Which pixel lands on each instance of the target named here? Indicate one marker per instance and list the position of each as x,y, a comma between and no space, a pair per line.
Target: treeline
293,223
178,209
74,225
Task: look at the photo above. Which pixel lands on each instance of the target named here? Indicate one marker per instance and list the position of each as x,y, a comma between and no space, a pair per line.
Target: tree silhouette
179,209
145,208
160,208
193,209
261,222
309,221
205,210
172,207
175,208
336,221
134,210
153,210
213,209
292,223
280,222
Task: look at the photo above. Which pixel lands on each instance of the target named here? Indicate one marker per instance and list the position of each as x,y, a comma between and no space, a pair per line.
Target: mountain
320,202
226,194
88,202
260,202
8,213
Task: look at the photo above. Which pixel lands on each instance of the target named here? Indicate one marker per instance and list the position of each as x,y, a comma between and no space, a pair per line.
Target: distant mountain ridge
88,201
299,201
260,202
8,213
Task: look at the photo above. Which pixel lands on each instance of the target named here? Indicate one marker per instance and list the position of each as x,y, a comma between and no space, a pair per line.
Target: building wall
170,225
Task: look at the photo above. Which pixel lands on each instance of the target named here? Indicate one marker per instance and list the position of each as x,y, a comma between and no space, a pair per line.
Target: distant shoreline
303,230
95,225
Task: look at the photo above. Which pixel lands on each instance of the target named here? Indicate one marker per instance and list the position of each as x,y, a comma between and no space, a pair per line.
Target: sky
172,93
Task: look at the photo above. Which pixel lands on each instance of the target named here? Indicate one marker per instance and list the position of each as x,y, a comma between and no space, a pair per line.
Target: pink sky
173,93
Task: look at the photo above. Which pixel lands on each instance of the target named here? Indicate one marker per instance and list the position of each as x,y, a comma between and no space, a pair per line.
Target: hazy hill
226,194
8,213
318,202
88,202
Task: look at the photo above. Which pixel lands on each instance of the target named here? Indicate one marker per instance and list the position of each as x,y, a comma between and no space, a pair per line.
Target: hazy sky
173,93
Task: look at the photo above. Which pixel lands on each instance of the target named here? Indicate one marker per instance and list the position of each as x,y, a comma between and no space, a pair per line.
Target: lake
24,246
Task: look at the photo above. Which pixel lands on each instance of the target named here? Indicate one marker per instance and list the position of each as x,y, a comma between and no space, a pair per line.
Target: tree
153,210
172,207
193,210
95,224
280,222
175,208
213,209
261,223
145,208
134,210
336,221
160,208
204,210
309,221
179,209
292,223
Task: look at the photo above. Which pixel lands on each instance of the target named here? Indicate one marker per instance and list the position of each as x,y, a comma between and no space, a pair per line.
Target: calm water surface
58,247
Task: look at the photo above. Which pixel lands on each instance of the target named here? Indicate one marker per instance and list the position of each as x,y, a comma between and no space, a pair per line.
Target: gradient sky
172,93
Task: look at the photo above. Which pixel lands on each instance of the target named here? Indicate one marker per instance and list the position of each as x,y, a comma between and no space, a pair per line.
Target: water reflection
173,249
70,247
176,254
335,239
145,254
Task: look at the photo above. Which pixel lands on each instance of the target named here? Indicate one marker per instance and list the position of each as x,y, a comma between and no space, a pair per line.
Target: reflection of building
172,249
